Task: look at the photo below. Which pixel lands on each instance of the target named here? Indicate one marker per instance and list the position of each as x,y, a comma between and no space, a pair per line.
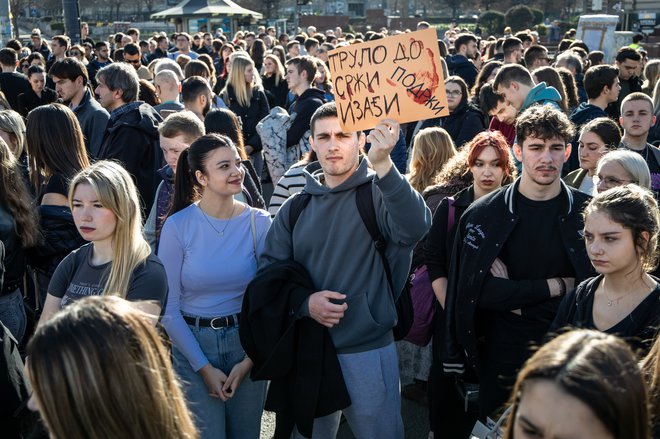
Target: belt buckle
213,320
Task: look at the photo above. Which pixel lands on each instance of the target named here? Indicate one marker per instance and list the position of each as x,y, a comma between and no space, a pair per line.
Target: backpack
365,204
422,295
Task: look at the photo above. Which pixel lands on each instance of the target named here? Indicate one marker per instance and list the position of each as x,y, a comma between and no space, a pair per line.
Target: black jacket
13,84
303,107
251,115
29,100
462,125
295,353
481,234
132,138
61,237
277,94
461,66
93,119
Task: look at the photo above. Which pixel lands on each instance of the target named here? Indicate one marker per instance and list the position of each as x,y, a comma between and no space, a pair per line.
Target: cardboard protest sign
398,77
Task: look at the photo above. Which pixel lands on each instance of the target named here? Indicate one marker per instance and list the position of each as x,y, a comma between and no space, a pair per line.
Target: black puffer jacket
61,237
132,139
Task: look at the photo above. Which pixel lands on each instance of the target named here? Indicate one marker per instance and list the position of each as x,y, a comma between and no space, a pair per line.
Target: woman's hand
214,379
236,377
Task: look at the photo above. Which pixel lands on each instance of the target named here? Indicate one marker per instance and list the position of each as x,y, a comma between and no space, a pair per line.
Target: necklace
616,300
219,232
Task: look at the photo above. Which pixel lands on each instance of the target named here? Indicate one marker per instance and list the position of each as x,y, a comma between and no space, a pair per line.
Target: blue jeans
12,314
372,380
240,416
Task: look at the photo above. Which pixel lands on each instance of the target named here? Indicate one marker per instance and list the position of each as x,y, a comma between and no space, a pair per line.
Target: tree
538,16
492,22
17,7
519,17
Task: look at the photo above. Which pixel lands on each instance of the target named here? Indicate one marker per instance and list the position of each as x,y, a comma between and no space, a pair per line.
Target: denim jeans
12,314
240,416
372,380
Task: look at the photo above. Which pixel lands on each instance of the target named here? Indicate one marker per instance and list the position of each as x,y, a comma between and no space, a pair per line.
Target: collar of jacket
512,190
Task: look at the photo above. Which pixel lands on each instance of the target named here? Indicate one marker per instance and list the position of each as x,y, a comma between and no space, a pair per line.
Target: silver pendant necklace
219,232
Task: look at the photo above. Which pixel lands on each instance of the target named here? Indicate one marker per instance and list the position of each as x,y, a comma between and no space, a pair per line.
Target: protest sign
398,77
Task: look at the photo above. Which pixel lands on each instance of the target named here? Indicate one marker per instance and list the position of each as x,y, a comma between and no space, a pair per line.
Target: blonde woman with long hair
99,369
118,260
274,82
432,148
244,96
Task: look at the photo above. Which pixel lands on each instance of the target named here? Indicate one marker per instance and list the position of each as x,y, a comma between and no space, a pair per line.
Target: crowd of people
189,238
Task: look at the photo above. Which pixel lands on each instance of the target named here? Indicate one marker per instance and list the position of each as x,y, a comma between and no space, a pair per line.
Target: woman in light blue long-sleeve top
209,247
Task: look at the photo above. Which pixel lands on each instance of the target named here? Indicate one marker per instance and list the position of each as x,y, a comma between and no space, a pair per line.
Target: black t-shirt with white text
76,278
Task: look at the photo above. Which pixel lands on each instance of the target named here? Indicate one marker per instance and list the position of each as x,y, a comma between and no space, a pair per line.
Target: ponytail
186,189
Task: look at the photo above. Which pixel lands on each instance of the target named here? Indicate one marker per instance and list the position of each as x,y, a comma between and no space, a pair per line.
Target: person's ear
201,178
567,151
362,140
517,151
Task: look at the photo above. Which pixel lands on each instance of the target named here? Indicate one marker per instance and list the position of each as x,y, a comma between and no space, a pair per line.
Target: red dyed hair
490,138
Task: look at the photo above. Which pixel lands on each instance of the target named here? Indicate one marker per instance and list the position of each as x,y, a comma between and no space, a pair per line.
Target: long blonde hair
100,370
236,78
279,68
116,191
432,148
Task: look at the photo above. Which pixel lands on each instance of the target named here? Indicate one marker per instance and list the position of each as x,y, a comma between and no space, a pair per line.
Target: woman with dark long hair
209,246
57,152
621,228
19,230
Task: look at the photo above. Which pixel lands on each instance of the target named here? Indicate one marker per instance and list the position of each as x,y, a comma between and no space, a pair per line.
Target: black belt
215,322
11,286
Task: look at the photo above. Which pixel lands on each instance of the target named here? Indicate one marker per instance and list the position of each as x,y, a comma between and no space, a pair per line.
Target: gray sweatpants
372,380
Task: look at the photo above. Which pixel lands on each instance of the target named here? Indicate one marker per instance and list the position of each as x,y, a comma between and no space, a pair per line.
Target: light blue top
207,273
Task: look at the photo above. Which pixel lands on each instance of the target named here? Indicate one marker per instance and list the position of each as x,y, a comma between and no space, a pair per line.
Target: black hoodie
461,66
304,106
132,139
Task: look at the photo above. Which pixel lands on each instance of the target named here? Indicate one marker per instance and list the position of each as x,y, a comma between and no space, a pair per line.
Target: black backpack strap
365,203
298,203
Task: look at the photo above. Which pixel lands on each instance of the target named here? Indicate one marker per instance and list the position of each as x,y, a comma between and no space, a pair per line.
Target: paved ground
415,420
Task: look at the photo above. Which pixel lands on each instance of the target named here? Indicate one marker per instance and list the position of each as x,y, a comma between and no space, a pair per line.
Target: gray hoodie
333,244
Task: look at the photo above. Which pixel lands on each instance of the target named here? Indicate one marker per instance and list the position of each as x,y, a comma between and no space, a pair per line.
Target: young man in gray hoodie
354,299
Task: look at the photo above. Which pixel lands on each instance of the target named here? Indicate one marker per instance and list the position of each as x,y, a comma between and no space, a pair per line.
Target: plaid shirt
124,109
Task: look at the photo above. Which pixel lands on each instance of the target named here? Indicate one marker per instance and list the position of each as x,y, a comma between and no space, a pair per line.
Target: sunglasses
132,61
25,66
76,53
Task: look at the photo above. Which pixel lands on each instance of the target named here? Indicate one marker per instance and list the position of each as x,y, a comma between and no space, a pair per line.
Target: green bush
519,17
492,22
57,27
